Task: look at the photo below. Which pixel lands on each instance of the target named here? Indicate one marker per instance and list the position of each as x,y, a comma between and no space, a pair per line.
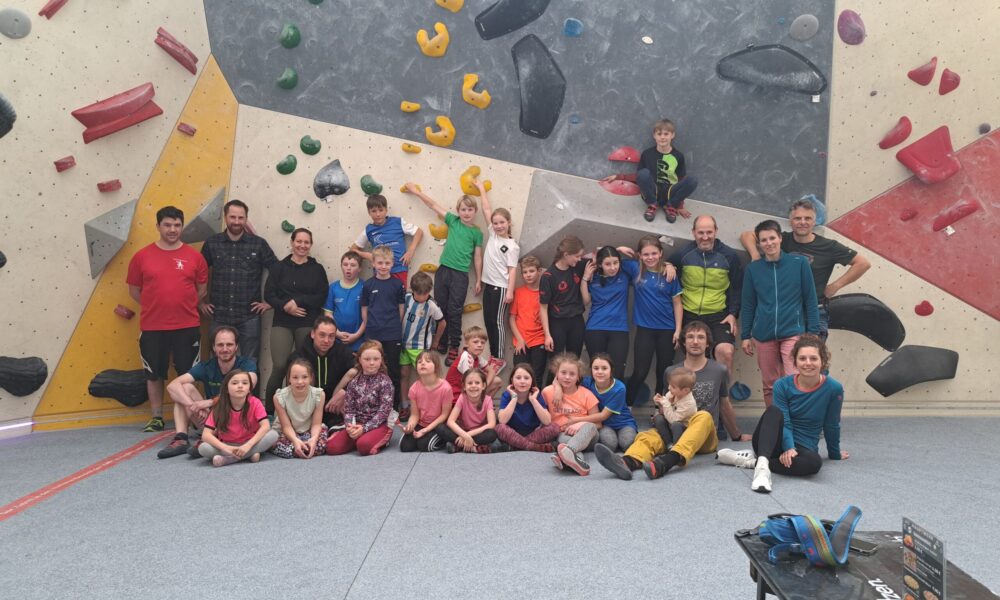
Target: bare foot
684,213
255,457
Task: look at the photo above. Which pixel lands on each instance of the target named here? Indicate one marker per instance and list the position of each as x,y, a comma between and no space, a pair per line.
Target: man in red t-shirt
167,278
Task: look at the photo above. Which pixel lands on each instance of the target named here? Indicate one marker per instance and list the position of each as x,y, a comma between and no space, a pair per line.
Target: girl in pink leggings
367,403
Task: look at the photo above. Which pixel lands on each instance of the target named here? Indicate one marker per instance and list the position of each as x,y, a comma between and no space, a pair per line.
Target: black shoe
176,447
612,462
655,468
451,448
193,449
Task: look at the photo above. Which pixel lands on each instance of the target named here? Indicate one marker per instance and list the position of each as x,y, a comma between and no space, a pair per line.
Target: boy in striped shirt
423,326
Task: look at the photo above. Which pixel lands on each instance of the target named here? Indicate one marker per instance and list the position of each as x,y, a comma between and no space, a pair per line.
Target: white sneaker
744,459
761,477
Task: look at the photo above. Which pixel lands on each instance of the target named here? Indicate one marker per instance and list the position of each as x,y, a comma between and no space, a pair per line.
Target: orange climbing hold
438,232
409,107
931,158
897,134
949,81
436,46
924,73
429,268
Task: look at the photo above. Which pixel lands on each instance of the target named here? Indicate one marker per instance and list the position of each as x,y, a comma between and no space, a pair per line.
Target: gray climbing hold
541,84
7,116
984,128
804,27
3,260
127,387
14,23
773,66
22,376
107,234
505,16
911,365
331,181
207,222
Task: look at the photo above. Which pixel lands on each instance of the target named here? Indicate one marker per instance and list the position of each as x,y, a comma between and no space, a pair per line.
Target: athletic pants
614,343
698,438
482,438
663,194
537,357
567,336
616,439
542,435
649,342
585,438
369,443
283,342
450,289
209,451
767,442
495,318
774,358
429,442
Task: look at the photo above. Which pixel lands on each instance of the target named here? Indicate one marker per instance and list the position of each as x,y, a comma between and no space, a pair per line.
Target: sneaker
761,477
671,213
193,449
612,462
154,425
744,459
451,357
650,213
654,469
176,447
451,448
220,460
573,460
557,462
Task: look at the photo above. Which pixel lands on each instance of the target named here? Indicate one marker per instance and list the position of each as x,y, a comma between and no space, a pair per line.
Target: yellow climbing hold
478,99
445,134
403,189
429,268
436,46
438,232
452,5
468,308
468,181
409,106
411,148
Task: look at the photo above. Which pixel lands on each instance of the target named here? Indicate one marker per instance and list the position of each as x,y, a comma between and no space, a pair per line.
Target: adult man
822,253
167,278
190,406
649,450
330,361
238,260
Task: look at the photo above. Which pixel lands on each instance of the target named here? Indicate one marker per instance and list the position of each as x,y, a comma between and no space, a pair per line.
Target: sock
670,460
483,449
631,463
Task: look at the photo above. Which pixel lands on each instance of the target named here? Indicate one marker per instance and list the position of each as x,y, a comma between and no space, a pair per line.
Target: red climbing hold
907,214
67,162
621,187
897,134
625,154
112,185
931,158
924,73
186,129
924,309
956,211
51,7
124,312
179,51
117,112
949,81
851,28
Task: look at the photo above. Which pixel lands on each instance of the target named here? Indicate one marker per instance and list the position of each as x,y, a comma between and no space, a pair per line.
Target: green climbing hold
290,36
369,186
308,206
309,145
287,164
287,227
288,79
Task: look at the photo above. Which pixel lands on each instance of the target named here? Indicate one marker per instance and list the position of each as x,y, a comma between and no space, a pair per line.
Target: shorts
157,347
408,356
721,333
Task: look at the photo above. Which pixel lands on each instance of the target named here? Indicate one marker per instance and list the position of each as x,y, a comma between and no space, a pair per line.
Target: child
471,424
662,175
298,411
678,406
430,404
525,422
388,231
574,409
619,426
464,248
525,319
343,301
474,355
605,288
499,273
238,428
561,300
423,324
382,299
368,400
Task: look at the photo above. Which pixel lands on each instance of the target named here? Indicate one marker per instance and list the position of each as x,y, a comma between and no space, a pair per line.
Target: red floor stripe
52,489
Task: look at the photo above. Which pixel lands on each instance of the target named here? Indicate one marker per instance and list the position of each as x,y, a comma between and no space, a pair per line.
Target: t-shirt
652,305
383,297
669,168
210,375
431,403
711,384
462,241
169,282
822,254
609,302
809,412
420,320
499,255
524,419
236,434
612,399
526,311
458,368
577,404
560,289
299,413
470,417
393,234
345,303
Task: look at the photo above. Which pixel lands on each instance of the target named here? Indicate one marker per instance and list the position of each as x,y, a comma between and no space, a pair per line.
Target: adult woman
786,439
296,287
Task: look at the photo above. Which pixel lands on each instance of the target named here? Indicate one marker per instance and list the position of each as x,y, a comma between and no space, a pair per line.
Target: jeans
662,194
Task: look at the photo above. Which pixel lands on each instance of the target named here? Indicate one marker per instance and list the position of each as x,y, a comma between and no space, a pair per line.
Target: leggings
285,449
209,451
647,342
663,193
617,439
567,336
585,438
536,357
283,342
429,442
450,289
482,438
392,351
614,343
767,442
539,440
495,318
368,444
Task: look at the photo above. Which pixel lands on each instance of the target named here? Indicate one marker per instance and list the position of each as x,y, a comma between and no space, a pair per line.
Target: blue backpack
802,534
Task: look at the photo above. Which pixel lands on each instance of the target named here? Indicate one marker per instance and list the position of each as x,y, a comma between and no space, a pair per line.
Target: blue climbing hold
573,27
820,208
739,392
575,119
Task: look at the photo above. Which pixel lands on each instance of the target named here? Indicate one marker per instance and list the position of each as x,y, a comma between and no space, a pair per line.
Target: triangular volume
207,221
107,234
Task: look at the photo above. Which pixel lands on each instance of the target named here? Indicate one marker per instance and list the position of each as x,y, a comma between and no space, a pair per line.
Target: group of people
343,354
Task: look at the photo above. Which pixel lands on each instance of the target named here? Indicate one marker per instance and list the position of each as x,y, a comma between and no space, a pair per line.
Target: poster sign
923,563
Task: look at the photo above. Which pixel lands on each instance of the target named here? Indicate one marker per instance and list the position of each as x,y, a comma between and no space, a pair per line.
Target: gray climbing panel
107,234
207,222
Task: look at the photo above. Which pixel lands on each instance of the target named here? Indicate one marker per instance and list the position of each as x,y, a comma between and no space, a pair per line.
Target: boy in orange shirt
525,320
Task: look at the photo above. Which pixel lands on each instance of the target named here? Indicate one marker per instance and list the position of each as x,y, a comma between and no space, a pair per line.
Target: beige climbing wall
88,51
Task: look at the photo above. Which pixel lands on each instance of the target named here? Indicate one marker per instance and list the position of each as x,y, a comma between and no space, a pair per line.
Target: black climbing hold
774,66
127,387
911,365
868,316
508,15
22,376
541,84
3,260
984,128
331,181
7,116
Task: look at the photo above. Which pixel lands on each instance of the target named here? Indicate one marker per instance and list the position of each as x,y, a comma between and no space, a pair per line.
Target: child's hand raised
410,188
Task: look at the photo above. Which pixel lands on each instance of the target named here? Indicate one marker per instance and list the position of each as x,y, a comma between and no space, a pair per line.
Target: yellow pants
698,438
